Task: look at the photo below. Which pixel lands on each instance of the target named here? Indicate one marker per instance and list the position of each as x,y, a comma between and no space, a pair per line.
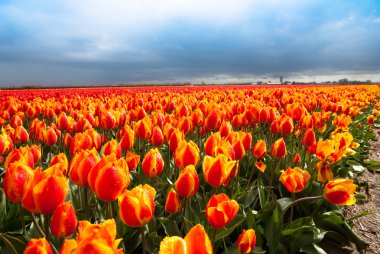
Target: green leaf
372,165
312,249
3,207
272,230
13,243
284,203
153,242
362,214
170,226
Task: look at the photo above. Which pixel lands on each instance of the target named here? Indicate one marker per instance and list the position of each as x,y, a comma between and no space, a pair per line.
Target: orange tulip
81,164
308,138
153,164
296,158
259,150
112,147
185,125
61,161
157,137
22,154
15,121
294,179
36,151
94,238
340,192
21,135
109,177
225,129
187,153
143,128
44,191
173,204
220,210
16,175
64,220
286,125
278,149
196,241
6,144
176,137
217,170
67,140
168,131
187,183
197,117
38,246
128,140
213,121
211,143
246,241
132,160
136,206
63,122
50,137
260,165
324,172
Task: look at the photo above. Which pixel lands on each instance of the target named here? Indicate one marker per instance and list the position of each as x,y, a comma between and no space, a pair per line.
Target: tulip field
183,169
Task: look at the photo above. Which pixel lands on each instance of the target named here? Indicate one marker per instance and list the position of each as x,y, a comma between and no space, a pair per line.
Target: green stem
301,200
143,239
183,216
291,220
85,199
40,231
213,236
108,210
47,227
272,171
22,220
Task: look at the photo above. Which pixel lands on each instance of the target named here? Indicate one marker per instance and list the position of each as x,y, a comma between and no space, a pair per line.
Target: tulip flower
50,137
187,153
21,135
157,137
286,125
132,160
246,241
211,143
64,220
93,238
136,206
196,241
61,161
217,170
213,121
143,128
340,192
278,149
36,151
44,191
176,137
38,246
22,154
153,164
187,183
259,150
81,164
173,204
112,147
128,140
109,177
197,117
185,125
324,172
16,175
220,210
294,179
6,144
308,138
297,158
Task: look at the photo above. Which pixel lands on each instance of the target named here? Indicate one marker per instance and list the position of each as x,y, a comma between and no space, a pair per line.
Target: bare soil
368,227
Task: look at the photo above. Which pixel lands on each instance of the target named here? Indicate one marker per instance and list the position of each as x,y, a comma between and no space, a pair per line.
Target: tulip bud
173,204
296,158
187,153
157,137
61,161
16,175
143,128
132,160
50,137
136,206
187,183
21,135
153,164
217,170
36,151
64,220
128,140
246,241
38,246
340,192
220,210
259,149
308,138
112,147
278,149
81,164
294,179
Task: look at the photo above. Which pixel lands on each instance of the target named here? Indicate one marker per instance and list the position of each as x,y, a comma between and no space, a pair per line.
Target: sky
71,42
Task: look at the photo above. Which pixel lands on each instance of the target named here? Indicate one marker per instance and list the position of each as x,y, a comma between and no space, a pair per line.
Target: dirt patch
368,227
